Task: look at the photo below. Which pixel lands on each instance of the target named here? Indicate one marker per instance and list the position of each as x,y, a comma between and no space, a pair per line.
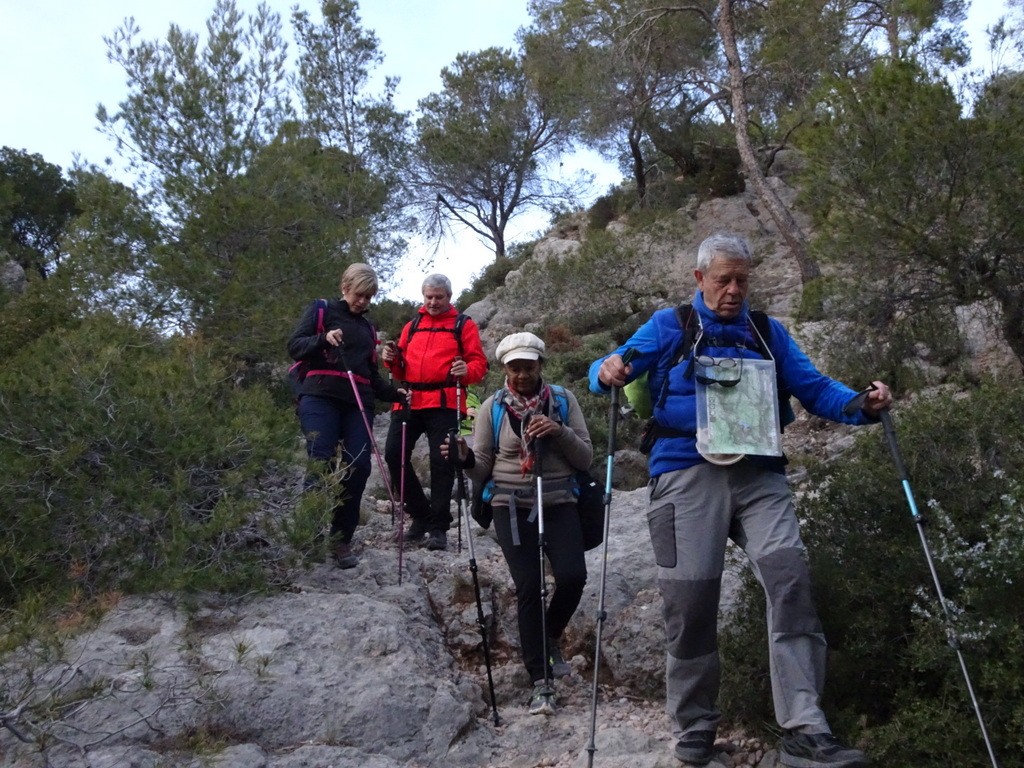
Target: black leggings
563,544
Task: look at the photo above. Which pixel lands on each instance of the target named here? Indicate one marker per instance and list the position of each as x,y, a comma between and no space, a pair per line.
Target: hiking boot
437,540
416,531
696,747
344,557
543,700
818,750
559,666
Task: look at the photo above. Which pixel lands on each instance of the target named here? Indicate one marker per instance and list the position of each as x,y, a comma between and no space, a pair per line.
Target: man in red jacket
436,349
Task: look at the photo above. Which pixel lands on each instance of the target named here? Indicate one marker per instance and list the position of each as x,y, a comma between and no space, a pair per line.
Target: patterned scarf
523,408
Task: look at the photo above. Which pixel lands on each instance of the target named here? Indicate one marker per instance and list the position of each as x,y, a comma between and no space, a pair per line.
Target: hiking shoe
344,557
437,540
559,666
818,750
696,747
543,700
416,531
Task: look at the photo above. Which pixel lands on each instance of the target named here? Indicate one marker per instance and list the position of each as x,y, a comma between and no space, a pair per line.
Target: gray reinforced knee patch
691,616
787,583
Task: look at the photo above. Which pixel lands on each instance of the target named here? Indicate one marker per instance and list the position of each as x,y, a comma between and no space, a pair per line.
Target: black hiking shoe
542,702
344,557
559,666
696,747
818,750
416,531
437,540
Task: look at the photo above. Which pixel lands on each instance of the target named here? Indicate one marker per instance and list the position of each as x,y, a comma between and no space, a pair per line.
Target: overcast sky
55,72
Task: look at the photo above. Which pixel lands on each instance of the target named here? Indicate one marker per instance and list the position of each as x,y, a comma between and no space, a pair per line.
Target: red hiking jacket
425,360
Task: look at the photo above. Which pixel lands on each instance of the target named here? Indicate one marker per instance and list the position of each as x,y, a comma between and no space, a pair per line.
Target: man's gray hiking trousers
692,514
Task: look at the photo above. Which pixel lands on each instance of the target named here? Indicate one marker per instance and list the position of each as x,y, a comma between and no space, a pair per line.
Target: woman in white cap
539,428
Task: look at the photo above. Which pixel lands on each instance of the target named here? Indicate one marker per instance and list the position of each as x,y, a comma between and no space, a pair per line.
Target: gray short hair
724,244
437,280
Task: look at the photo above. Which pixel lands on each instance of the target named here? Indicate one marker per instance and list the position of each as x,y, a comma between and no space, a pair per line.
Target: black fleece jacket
329,366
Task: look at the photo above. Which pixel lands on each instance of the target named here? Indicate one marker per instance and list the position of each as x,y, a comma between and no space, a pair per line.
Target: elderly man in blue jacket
700,498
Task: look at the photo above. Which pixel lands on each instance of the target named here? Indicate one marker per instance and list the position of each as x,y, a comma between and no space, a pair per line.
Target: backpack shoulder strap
689,322
497,414
414,325
321,312
763,326
562,401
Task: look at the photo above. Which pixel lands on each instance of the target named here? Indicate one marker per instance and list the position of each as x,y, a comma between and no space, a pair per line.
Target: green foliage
197,114
915,202
36,205
336,61
891,671
114,248
605,209
269,241
482,144
131,462
390,316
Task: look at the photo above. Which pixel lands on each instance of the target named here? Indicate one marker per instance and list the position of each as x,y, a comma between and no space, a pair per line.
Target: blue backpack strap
498,408
563,402
497,414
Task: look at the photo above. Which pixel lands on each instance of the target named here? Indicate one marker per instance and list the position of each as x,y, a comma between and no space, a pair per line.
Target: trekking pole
406,406
851,408
369,430
391,377
613,423
460,500
458,430
539,476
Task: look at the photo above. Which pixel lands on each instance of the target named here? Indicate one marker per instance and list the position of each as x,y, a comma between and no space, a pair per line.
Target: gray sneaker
818,750
542,702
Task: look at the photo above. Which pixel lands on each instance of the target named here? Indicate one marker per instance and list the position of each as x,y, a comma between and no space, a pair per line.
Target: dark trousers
434,423
563,544
329,426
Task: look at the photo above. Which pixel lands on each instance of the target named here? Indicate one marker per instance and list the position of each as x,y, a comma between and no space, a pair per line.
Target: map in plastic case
740,415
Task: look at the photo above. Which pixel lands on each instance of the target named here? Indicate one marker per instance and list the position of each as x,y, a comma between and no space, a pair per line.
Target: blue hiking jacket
659,339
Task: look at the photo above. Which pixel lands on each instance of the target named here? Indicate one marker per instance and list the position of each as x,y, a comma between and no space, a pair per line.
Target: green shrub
608,207
132,462
891,671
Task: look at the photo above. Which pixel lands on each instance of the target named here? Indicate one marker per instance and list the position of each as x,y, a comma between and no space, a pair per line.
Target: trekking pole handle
453,449
627,357
855,403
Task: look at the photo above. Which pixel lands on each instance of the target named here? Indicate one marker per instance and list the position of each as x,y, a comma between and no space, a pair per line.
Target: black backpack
460,321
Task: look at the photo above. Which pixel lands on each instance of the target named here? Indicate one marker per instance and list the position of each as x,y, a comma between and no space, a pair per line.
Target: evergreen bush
893,679
132,462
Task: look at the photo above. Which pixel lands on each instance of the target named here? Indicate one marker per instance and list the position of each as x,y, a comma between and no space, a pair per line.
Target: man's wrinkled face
724,285
436,301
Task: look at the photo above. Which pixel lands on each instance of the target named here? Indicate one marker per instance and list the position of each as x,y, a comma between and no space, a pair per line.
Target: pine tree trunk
777,209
